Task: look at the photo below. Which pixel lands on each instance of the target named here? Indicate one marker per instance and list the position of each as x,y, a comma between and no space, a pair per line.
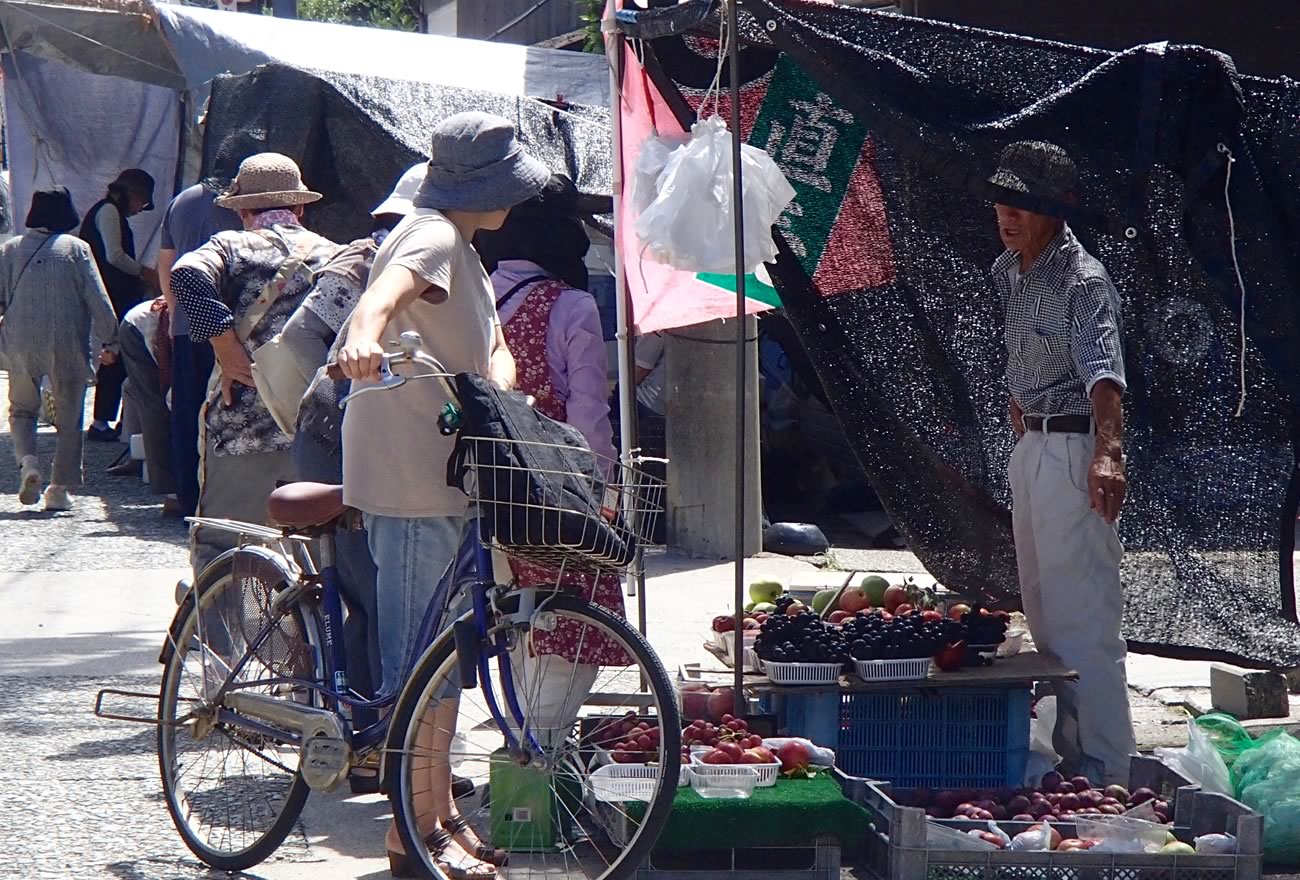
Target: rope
1241,281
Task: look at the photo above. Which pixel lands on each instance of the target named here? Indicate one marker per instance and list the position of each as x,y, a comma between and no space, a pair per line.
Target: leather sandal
405,865
457,824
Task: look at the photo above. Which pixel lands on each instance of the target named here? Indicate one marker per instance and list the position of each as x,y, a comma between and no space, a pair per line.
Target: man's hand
1017,418
236,365
1107,487
359,359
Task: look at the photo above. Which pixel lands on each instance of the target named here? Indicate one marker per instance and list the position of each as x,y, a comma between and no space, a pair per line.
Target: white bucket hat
264,181
400,200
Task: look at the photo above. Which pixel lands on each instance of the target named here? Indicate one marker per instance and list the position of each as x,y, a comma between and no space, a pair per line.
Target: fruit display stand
901,842
966,728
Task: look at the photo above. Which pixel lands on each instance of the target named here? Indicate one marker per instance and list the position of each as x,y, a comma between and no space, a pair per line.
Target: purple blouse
575,351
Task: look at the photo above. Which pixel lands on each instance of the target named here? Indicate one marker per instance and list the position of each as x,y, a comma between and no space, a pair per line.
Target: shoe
128,468
171,508
29,486
102,435
57,498
461,787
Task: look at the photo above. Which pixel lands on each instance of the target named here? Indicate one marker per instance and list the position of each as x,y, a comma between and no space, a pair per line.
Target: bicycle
255,691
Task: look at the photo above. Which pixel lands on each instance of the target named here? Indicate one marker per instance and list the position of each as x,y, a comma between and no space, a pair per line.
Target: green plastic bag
1227,734
1266,778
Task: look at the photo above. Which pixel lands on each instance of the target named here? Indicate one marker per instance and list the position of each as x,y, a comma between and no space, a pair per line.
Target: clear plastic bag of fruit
1199,762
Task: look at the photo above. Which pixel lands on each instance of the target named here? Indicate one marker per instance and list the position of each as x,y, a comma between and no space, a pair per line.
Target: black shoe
102,435
365,783
128,468
461,787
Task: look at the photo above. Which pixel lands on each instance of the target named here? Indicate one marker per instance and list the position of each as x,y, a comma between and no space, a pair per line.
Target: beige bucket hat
267,180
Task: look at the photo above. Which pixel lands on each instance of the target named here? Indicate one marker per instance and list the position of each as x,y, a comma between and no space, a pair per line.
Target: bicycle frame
472,570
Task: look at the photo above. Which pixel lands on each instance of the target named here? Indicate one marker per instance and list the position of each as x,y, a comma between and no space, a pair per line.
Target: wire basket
560,505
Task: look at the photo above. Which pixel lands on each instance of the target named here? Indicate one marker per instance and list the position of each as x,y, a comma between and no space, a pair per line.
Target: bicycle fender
206,578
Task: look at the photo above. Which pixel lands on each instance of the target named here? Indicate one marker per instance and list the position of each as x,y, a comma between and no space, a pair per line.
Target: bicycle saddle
303,505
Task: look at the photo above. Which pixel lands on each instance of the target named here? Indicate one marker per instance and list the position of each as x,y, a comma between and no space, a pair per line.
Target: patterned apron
525,333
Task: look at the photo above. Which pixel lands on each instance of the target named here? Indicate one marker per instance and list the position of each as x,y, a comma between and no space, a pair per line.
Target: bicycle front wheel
587,799
233,794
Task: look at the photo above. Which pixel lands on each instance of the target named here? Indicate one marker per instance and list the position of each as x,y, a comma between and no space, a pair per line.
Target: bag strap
518,287
272,290
23,270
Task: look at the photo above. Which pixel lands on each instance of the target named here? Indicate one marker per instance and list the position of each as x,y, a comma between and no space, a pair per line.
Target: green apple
822,599
875,587
765,591
749,606
765,607
1178,849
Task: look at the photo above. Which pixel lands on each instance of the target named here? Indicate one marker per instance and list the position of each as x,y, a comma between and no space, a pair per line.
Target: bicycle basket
542,494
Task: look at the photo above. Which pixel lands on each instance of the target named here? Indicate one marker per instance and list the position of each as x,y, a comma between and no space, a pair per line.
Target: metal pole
622,304
738,226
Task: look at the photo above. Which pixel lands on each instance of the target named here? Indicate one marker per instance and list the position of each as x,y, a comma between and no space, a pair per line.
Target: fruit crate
895,844
818,861
916,737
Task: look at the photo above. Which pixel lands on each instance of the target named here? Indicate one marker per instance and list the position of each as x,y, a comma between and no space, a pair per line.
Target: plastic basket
767,773
802,673
729,785
614,783
915,669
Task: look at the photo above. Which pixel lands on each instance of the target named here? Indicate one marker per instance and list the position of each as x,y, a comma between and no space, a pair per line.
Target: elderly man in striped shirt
1065,373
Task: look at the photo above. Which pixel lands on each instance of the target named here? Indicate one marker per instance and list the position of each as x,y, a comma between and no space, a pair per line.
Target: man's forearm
1108,412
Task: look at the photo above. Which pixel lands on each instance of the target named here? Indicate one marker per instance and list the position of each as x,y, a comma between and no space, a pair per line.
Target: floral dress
526,335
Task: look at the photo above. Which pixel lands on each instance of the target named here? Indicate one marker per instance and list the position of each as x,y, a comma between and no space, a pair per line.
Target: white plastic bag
688,224
1038,839
1042,754
820,756
1200,762
1216,845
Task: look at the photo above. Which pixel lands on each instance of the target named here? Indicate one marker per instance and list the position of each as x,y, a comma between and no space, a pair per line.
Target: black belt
1067,424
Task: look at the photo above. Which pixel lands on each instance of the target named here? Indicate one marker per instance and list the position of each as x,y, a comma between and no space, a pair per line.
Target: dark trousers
357,577
192,364
150,405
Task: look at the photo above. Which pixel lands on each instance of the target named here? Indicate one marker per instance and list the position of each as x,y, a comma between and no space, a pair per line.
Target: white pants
551,692
1068,559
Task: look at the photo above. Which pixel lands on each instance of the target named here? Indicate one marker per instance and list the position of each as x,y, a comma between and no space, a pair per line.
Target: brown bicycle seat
303,505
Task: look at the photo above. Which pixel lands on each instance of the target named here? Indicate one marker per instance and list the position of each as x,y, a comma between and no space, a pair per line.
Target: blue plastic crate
954,738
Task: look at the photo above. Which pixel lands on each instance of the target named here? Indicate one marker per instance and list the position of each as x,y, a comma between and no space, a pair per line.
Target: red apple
723,624
796,609
894,597
853,600
839,616
956,611
794,755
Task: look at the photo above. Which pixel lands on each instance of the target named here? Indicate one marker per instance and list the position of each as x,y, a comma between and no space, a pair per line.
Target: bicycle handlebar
411,353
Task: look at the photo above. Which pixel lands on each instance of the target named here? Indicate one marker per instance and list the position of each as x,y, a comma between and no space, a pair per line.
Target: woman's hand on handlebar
361,360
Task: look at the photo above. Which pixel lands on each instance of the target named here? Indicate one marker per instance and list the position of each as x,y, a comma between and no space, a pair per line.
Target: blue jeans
192,364
411,555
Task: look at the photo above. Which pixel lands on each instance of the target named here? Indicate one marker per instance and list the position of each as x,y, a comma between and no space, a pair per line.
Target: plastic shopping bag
1227,734
688,223
1267,779
1042,754
1199,762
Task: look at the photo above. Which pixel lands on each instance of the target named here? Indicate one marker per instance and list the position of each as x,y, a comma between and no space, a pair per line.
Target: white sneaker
57,498
29,481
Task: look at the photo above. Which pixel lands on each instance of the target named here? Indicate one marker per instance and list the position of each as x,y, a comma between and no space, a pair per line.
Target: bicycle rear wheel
233,795
567,810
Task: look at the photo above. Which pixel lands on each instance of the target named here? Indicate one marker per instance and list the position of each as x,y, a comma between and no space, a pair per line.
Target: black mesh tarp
888,127
354,135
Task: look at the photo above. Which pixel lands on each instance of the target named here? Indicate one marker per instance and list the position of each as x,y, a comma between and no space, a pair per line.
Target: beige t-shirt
394,458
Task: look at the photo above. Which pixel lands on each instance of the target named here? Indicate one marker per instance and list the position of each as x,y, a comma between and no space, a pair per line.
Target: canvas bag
534,496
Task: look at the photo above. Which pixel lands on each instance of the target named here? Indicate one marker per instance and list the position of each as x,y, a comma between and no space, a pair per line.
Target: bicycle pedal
324,762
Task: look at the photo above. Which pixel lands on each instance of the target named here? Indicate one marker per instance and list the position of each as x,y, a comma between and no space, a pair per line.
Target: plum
1005,794
1111,809
1023,817
1118,792
965,809
1018,804
982,816
1041,809
935,813
999,812
1051,780
1081,783
1141,796
1110,802
1065,788
1070,802
986,805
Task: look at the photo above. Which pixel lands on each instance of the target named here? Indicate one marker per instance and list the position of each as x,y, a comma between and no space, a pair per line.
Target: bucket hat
1037,168
402,199
138,181
478,164
267,180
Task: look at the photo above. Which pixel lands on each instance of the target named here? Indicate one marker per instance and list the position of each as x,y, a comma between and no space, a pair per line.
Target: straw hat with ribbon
265,181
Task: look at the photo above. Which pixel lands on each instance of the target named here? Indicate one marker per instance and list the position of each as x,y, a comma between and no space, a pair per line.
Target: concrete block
1293,681
1248,693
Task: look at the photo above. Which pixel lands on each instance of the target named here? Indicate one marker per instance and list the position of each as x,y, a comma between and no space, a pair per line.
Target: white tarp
67,127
